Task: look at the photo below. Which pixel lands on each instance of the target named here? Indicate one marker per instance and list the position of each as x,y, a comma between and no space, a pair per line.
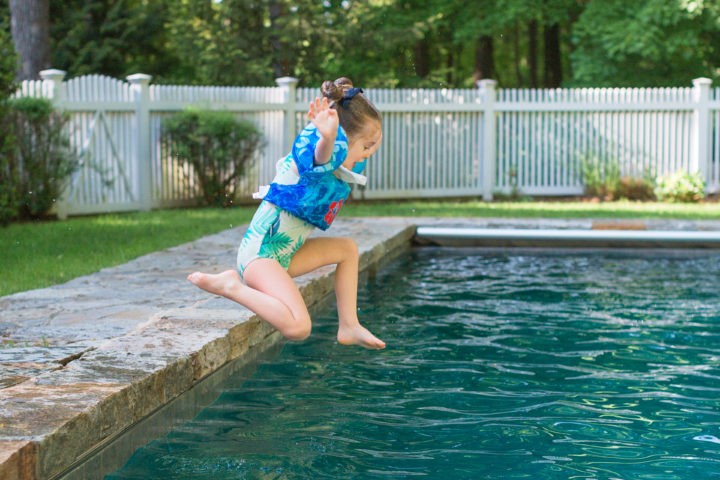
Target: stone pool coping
123,342
130,339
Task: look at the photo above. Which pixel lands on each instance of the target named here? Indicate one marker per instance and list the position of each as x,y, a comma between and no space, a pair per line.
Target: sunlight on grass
39,254
623,209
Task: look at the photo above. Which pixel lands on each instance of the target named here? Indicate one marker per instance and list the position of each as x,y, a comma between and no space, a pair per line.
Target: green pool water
499,365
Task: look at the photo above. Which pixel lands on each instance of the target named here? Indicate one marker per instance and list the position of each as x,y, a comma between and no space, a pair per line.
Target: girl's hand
324,118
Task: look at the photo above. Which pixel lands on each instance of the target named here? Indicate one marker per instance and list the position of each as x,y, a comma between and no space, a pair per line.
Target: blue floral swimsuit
295,203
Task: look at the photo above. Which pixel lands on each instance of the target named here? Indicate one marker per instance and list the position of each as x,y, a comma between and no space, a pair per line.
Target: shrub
8,181
44,158
601,179
605,181
217,145
680,186
637,188
8,64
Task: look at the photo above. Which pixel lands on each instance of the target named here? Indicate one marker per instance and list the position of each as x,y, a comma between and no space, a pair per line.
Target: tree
30,25
553,56
532,53
390,43
111,38
484,60
8,63
651,43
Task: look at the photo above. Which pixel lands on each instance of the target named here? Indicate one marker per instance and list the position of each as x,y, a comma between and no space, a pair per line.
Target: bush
8,64
601,179
217,145
43,160
680,187
604,180
637,188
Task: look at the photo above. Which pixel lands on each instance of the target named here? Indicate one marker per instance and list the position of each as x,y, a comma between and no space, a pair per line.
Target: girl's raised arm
326,121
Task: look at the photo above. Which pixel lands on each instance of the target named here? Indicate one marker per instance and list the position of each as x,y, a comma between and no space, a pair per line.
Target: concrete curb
541,237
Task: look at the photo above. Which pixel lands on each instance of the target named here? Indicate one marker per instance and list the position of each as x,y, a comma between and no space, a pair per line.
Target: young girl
307,192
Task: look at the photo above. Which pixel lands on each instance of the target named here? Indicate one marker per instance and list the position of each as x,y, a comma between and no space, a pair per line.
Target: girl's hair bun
354,115
334,91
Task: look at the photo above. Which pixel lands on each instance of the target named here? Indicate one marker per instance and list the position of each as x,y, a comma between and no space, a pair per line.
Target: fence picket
715,182
433,144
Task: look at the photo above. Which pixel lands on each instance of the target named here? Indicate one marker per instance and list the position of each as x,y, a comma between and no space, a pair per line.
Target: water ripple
498,366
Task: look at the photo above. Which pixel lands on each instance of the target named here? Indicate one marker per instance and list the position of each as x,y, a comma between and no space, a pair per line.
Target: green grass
622,209
39,254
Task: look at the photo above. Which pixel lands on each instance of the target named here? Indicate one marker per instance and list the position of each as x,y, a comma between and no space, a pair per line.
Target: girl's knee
349,247
299,330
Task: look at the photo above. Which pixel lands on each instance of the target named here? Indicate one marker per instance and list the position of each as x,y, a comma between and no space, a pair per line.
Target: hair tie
349,95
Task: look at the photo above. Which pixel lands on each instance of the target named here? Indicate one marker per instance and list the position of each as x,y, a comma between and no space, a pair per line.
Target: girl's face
362,147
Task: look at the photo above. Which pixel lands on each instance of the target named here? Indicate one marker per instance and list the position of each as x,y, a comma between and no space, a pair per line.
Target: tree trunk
280,63
30,26
516,51
532,53
553,60
422,58
484,63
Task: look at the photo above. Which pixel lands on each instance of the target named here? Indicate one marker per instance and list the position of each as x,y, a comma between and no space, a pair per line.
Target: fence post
489,140
54,86
700,144
140,86
289,87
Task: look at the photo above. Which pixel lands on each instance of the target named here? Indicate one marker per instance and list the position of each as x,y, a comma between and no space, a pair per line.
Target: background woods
388,43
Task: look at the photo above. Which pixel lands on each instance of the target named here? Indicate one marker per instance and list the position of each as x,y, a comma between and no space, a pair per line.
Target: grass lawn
36,255
39,254
540,209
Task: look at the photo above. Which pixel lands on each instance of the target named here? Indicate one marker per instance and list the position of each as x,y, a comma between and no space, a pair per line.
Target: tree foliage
391,43
650,43
8,64
115,38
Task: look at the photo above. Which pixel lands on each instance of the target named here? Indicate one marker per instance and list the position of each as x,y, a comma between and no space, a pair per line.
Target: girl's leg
318,252
268,291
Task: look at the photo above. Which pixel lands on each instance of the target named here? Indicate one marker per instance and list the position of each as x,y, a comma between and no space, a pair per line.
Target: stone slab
99,353
17,459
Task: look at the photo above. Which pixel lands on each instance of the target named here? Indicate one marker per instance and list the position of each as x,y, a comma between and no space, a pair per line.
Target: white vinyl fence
437,143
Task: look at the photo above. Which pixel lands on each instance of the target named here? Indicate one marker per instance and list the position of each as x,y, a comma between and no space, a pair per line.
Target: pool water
499,365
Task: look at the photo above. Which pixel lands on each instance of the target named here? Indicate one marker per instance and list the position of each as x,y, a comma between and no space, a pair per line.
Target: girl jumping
309,188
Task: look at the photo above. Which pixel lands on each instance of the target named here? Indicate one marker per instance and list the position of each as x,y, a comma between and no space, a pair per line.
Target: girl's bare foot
219,283
358,335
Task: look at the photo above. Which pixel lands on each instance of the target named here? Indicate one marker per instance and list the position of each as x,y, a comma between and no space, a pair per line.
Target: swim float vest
321,189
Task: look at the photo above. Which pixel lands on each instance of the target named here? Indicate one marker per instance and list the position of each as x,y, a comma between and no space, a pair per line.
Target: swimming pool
499,365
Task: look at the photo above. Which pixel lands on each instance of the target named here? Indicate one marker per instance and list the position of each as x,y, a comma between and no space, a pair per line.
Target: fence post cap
702,81
139,78
286,81
53,74
486,83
